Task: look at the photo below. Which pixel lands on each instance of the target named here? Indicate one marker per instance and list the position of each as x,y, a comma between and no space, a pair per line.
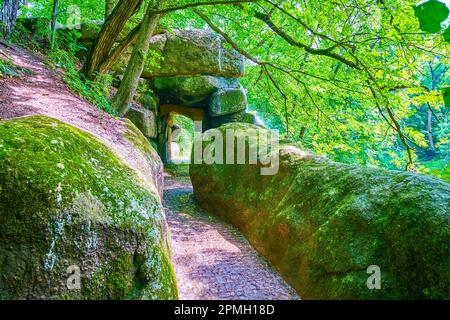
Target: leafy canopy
352,79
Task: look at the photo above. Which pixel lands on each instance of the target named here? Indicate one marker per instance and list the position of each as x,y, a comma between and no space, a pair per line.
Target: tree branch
233,44
203,3
118,51
322,52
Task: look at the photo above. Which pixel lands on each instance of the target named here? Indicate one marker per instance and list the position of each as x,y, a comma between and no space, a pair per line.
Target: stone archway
197,78
167,112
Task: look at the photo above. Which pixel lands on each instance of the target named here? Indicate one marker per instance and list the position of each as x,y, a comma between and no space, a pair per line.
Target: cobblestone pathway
212,260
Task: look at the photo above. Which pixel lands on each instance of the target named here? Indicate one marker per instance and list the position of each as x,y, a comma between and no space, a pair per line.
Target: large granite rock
144,120
228,101
150,101
190,91
322,223
242,117
193,52
70,207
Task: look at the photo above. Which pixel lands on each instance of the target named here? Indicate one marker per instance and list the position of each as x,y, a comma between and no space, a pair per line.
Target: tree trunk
8,16
119,50
108,35
54,20
128,86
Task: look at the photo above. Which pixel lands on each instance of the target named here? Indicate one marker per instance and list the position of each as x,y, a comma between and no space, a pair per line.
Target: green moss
65,198
55,162
323,223
136,137
177,169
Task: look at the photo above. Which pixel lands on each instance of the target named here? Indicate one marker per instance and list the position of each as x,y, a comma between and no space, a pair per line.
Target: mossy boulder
237,117
228,101
192,53
190,91
144,120
67,201
150,165
322,223
150,101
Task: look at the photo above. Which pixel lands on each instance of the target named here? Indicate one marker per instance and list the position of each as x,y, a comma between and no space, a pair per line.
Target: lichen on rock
65,200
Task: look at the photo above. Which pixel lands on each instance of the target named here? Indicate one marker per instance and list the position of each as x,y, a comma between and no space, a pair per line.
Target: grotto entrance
179,124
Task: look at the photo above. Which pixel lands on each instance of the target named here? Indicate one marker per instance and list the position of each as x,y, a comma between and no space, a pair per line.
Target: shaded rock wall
322,223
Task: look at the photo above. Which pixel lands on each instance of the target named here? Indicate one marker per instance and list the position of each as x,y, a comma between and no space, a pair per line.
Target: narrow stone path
212,260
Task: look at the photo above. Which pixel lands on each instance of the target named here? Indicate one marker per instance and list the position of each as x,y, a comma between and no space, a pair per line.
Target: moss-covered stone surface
228,101
322,224
144,120
190,53
67,200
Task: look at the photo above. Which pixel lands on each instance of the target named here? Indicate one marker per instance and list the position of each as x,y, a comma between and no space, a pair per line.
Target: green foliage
186,137
431,14
323,104
63,56
180,170
34,40
447,97
6,69
9,69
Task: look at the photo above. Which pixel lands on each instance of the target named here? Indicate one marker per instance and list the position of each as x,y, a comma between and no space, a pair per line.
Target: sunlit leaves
329,105
431,14
330,108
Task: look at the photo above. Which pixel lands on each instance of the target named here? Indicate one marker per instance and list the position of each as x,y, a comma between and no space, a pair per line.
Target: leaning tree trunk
8,16
108,35
54,21
128,86
115,55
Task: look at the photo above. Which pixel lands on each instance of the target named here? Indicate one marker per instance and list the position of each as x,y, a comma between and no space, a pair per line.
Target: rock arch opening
180,137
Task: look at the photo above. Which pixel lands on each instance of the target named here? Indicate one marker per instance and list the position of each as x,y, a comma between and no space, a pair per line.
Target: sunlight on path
212,260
